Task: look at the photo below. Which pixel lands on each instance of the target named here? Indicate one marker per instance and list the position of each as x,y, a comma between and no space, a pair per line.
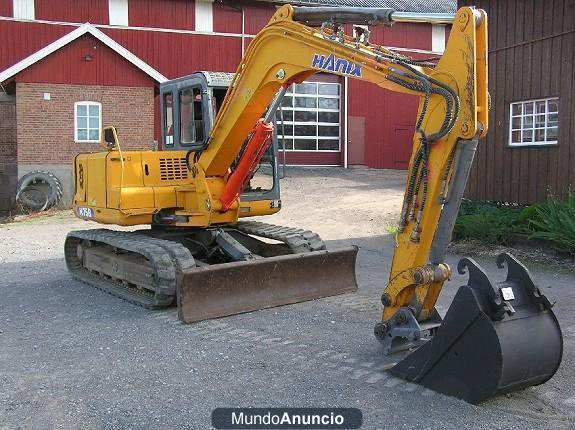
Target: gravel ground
75,357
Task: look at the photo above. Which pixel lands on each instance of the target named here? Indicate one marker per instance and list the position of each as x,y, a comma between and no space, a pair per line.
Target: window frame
546,127
292,94
87,103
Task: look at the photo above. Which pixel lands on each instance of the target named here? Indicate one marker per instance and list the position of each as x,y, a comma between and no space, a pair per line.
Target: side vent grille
172,169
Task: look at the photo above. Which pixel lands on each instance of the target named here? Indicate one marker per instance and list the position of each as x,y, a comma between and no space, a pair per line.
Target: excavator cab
189,106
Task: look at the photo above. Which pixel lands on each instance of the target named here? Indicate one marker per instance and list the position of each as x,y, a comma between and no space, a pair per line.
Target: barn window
87,121
534,122
311,117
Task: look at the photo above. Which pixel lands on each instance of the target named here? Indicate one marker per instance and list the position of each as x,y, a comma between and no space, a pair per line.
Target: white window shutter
438,38
118,12
23,9
204,16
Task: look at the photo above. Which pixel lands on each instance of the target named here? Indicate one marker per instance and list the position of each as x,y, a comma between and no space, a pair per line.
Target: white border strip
123,27
171,30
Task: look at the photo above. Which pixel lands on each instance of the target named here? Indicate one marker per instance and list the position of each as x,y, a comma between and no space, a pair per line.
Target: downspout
243,31
241,9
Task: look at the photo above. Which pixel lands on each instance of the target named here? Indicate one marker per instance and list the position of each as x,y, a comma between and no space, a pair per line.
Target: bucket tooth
245,286
494,339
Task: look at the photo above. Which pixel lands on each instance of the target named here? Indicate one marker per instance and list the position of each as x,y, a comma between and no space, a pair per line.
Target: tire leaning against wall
41,182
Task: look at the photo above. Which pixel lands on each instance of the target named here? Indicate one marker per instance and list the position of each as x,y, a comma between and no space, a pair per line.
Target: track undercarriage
212,272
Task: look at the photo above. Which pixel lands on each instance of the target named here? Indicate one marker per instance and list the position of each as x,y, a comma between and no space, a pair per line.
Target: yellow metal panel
80,175
124,171
257,208
164,197
165,168
137,198
117,217
96,180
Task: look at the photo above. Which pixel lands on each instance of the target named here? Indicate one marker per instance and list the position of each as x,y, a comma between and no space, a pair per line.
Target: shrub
490,222
555,221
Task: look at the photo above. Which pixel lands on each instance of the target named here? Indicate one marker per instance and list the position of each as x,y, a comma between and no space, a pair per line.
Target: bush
555,221
489,222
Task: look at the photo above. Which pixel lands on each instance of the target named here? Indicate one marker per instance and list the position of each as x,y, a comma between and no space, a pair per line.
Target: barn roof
425,6
73,35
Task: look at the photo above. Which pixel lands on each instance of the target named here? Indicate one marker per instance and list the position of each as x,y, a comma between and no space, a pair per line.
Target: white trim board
171,30
70,37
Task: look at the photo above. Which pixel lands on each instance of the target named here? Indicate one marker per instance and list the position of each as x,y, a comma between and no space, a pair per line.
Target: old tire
38,191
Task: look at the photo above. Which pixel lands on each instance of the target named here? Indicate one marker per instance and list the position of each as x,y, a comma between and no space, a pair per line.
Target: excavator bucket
245,286
494,339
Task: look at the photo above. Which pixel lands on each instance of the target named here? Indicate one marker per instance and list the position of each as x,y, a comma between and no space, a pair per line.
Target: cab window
191,116
168,120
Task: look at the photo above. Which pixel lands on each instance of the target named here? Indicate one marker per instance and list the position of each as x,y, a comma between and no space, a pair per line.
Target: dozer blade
495,338
245,286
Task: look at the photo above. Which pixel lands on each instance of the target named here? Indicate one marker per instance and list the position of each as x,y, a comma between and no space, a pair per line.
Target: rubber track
167,259
299,241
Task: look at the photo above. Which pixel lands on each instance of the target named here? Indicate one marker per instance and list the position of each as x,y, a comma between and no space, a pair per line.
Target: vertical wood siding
93,11
69,66
21,39
227,19
176,14
176,54
531,45
6,8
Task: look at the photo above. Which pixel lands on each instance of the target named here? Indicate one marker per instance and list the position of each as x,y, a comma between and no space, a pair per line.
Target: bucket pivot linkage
494,339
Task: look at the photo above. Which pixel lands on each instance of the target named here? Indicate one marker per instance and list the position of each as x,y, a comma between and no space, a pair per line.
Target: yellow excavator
218,165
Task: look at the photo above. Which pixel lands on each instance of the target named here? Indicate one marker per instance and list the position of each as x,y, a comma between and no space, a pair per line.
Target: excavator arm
452,116
496,337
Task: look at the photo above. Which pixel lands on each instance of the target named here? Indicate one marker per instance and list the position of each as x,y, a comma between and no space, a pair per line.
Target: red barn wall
175,14
68,65
389,117
6,8
227,18
93,11
21,39
179,54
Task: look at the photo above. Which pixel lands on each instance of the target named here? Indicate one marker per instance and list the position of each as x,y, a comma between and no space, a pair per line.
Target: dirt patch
339,203
543,258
